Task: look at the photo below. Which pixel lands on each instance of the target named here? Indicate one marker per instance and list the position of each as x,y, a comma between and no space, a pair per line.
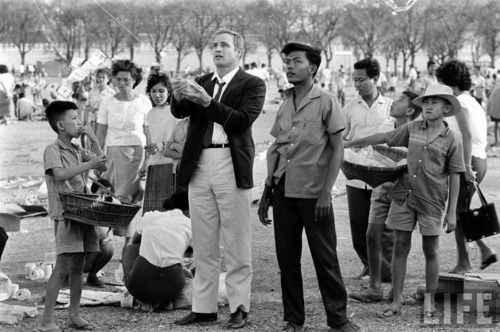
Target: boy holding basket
435,159
66,166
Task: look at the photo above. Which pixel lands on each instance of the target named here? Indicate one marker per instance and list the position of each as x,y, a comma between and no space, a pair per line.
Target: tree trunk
395,60
179,58
158,56
405,60
269,57
131,51
200,58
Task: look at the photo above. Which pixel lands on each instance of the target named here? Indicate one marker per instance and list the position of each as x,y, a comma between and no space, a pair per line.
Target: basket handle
69,186
112,194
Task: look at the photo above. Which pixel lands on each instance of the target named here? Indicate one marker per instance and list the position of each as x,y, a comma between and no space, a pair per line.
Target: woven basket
86,209
376,175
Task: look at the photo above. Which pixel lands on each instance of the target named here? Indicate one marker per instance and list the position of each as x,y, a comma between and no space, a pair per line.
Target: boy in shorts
66,166
403,110
435,159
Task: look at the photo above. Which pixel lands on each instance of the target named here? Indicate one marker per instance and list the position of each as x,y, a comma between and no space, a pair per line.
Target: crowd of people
192,141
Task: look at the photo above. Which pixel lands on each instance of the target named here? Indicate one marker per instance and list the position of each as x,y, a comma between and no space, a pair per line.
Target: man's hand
98,163
197,95
264,206
179,86
450,221
323,206
142,172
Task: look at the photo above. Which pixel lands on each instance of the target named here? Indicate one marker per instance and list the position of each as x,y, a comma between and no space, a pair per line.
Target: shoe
488,261
387,280
368,295
365,272
238,320
292,327
194,318
346,327
94,281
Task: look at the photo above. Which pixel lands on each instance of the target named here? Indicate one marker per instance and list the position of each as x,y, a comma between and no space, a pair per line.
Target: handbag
481,222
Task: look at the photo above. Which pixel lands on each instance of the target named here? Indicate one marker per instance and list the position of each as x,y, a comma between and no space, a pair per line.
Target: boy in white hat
434,162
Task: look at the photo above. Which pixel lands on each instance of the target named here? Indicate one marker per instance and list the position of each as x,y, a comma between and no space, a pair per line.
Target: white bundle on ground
367,156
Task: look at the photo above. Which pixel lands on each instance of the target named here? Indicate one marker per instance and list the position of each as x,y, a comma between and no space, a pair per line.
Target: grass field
21,149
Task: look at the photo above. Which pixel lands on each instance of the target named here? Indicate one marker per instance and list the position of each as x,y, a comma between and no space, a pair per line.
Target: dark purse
481,222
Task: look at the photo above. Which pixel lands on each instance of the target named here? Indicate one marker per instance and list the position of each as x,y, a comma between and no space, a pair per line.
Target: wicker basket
376,175
86,209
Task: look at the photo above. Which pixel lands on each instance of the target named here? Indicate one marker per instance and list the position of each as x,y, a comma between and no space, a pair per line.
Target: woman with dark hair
6,94
120,127
471,126
160,124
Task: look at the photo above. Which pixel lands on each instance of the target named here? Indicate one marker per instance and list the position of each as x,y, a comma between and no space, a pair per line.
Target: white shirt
362,121
125,120
413,74
165,237
161,125
477,122
95,99
219,135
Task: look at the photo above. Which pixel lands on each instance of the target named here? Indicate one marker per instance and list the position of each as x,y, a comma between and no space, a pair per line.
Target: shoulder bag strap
480,194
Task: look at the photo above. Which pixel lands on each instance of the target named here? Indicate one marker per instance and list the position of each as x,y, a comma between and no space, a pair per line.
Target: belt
217,146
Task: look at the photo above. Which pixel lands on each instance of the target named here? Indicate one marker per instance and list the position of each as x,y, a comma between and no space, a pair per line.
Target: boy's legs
402,247
430,246
61,270
75,286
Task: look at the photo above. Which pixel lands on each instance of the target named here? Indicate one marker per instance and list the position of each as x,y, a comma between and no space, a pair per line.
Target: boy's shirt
425,184
59,155
302,149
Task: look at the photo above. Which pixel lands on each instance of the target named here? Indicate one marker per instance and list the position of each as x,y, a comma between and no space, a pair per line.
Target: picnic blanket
89,298
12,314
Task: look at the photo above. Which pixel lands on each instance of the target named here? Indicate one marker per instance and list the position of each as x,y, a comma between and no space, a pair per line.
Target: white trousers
217,206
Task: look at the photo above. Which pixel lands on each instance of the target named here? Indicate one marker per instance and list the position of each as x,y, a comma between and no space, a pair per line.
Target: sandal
389,313
430,314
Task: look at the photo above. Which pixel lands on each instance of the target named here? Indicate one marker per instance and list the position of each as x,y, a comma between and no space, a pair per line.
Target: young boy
66,166
435,160
403,110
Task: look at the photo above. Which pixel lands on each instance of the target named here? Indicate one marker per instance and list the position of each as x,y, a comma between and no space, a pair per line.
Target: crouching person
152,263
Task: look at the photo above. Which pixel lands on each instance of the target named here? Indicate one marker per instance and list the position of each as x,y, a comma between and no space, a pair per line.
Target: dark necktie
207,139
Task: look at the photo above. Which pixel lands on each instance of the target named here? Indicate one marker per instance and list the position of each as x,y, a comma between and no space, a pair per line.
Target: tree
205,20
180,38
364,25
489,30
23,27
320,26
109,34
157,22
448,22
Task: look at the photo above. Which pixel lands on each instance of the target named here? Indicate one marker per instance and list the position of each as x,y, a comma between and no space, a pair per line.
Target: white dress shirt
219,135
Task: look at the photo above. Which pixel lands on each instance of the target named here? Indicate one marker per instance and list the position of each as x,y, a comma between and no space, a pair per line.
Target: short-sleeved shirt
493,106
362,121
125,120
165,237
161,125
58,155
302,148
425,184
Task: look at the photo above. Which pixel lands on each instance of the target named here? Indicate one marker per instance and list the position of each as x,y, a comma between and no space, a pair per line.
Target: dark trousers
3,240
149,283
359,201
291,216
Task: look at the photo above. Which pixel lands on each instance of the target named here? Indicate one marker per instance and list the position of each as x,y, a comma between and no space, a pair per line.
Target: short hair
313,55
156,78
129,66
238,41
45,102
21,95
371,66
56,110
4,69
417,109
454,73
105,183
430,63
104,70
178,200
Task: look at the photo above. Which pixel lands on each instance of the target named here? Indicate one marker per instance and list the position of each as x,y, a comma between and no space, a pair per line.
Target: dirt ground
21,173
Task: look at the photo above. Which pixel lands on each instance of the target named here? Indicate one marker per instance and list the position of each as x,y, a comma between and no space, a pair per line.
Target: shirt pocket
311,131
436,161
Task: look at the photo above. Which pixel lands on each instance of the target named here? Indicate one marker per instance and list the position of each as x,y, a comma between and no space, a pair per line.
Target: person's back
24,108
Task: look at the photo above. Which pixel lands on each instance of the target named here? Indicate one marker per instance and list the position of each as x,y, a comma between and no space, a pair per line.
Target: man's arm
323,205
